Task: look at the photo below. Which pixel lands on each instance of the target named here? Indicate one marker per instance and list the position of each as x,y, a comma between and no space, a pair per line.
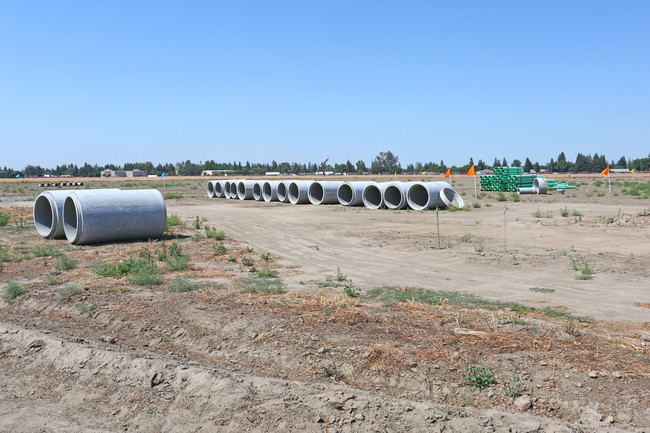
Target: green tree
386,162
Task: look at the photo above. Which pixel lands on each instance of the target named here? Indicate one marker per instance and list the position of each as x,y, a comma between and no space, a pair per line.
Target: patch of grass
539,214
478,248
266,257
598,183
581,265
118,290
246,261
174,221
266,273
570,328
66,263
476,205
232,259
182,284
266,285
45,251
4,219
479,376
541,290
196,223
178,263
12,291
351,290
501,197
466,237
171,195
148,275
513,386
564,212
220,248
52,280
487,204
212,233
329,371
198,237
575,213
515,197
67,292
470,301
88,310
123,268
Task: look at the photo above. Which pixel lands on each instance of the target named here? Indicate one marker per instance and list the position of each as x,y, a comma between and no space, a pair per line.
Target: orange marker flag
448,172
606,171
471,171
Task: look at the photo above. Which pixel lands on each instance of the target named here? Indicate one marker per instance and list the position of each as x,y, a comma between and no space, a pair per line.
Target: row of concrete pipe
100,215
47,185
373,195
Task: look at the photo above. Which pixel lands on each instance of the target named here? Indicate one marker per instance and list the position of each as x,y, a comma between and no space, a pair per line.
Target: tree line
385,163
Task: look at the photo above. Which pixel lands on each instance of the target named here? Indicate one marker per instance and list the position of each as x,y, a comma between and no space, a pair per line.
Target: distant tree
561,157
480,165
496,163
471,161
386,162
361,167
528,165
516,163
536,167
622,163
349,167
505,162
410,168
551,165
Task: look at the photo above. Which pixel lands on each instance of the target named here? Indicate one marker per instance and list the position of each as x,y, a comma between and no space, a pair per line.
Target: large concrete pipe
540,185
351,193
283,191
270,190
530,190
432,195
324,192
395,195
226,189
234,189
112,215
257,190
245,189
373,195
48,212
209,188
299,191
219,189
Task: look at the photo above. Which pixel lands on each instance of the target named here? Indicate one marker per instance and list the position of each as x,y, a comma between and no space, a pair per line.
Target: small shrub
539,214
4,219
177,264
266,257
575,213
212,233
267,273
250,249
123,268
478,248
198,237
52,280
487,204
570,328
479,376
329,371
174,221
65,263
220,248
466,237
45,251
161,254
175,250
513,386
246,261
564,212
351,291
12,291
197,223
67,292
501,197
171,195
118,290
541,290
182,284
268,286
581,265
232,259
476,205
148,275
88,310
515,197
340,276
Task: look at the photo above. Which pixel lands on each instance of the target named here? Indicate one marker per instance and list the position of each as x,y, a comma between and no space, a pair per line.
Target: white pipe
245,189
395,195
432,195
351,193
283,191
540,185
531,190
234,188
324,192
210,188
373,195
219,191
299,191
270,190
226,189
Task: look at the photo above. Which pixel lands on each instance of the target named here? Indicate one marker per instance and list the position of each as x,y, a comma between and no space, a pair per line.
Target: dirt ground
84,352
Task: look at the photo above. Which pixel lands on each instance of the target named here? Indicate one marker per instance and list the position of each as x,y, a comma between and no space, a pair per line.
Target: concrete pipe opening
210,189
315,193
226,189
298,191
257,191
530,190
324,192
283,193
270,190
218,189
373,196
45,216
418,197
540,185
451,198
394,197
234,188
345,194
245,189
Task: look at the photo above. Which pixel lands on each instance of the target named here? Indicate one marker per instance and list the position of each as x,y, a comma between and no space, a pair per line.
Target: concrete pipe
299,191
234,189
113,215
351,193
283,191
245,189
395,195
530,190
219,189
209,187
48,212
432,195
324,192
257,190
270,190
80,184
226,189
373,195
540,185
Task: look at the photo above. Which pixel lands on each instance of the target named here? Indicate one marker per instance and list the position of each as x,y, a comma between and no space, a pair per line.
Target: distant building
215,172
122,173
272,173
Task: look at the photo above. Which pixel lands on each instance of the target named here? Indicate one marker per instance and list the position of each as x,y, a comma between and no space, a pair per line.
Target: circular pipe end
345,194
72,219
372,197
451,198
316,193
45,216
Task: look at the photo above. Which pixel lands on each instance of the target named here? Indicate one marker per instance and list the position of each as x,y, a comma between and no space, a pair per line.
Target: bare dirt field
324,318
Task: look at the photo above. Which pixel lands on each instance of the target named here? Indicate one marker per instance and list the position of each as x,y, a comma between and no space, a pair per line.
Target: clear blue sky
166,81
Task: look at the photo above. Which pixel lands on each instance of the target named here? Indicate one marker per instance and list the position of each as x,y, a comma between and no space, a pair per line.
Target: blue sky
166,81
